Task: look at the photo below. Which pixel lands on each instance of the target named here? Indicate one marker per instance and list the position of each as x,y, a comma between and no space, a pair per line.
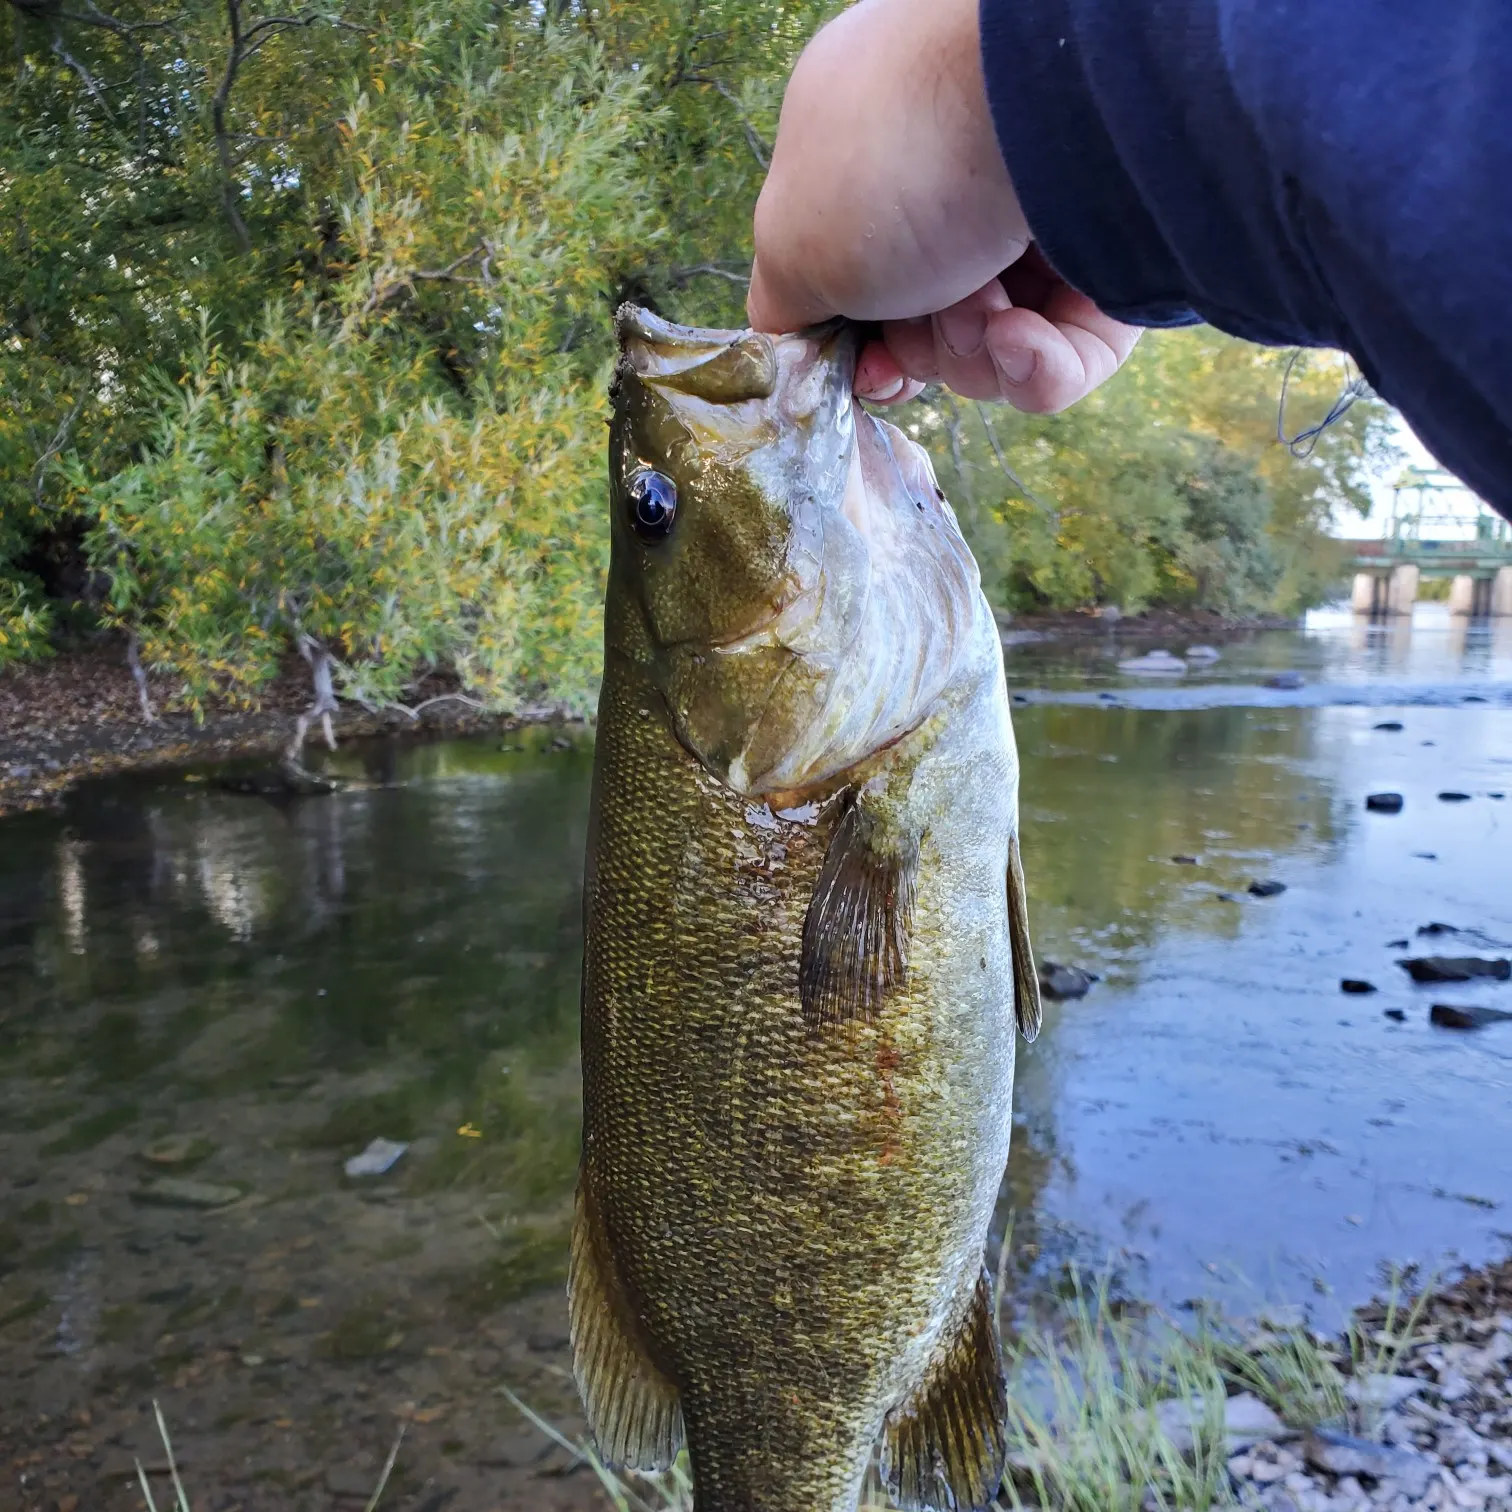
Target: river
209,1002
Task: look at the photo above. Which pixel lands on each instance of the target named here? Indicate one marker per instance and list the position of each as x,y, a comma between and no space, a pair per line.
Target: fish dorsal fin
856,933
633,1409
1026,993
943,1450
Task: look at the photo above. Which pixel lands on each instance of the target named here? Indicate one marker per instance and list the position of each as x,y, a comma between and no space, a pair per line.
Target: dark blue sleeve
1298,172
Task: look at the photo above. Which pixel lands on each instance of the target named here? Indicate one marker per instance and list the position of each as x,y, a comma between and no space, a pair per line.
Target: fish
806,945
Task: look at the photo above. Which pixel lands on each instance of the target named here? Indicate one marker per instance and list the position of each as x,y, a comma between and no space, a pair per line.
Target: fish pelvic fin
1027,1007
944,1449
857,930
633,1409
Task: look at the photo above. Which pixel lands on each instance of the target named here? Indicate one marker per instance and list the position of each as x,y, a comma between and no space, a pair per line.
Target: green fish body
805,946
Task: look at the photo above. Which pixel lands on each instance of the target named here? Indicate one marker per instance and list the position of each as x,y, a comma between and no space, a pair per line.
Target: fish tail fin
1027,1007
633,1410
944,1449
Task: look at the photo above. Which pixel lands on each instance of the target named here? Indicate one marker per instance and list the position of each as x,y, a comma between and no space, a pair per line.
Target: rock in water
806,944
1203,653
179,1192
1455,968
380,1157
1057,981
1384,803
1391,725
1476,1016
1354,985
1290,681
1267,889
1452,797
1153,664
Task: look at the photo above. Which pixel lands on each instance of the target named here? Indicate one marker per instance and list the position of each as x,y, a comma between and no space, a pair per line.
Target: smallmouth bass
806,945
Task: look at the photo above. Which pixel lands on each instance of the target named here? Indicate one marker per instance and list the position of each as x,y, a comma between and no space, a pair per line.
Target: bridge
1387,572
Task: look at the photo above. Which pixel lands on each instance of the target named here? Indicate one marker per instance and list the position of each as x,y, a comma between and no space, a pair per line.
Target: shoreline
77,715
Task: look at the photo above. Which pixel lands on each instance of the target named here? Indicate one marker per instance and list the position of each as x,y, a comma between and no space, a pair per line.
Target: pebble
1385,803
379,1158
177,1191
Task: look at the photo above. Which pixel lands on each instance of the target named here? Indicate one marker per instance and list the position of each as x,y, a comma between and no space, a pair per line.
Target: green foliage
304,330
1166,487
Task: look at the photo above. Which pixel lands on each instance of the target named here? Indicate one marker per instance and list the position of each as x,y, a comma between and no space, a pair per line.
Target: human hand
888,200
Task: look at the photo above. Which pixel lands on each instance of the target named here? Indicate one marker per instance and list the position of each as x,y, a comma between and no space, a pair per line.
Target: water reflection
219,990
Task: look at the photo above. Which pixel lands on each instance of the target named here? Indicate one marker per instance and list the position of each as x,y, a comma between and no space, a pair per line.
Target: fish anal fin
633,1409
856,932
944,1449
1027,1008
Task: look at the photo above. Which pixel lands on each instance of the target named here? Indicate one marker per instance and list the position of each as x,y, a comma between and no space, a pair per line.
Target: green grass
1084,1432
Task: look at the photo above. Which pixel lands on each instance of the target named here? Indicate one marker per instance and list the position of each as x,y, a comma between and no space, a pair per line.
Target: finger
772,306
879,379
951,347
1047,361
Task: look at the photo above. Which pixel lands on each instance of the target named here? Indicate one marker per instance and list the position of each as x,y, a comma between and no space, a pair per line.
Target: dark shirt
1298,172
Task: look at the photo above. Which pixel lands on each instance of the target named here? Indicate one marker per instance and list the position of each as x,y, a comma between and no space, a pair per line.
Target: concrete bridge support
1462,595
1366,595
1401,594
1501,592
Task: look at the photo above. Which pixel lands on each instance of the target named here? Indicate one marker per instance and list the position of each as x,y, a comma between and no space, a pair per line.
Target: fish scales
786,1187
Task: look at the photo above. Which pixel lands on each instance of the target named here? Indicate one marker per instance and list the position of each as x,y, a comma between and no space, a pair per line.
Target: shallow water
196,986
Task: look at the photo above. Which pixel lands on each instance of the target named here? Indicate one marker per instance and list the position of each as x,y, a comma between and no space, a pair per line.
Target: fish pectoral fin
1027,1007
856,932
633,1409
944,1449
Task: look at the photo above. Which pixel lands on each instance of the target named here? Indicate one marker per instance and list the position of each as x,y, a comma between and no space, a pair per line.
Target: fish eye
653,505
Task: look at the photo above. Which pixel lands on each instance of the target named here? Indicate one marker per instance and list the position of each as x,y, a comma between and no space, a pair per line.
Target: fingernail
963,331
1016,364
886,392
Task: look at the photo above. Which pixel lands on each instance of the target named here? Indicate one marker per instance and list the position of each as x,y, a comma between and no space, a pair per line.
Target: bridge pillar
1462,595
1501,592
1364,595
1401,594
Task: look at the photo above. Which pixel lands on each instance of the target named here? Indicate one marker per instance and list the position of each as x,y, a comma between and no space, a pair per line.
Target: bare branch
1051,512
139,677
56,445
682,276
84,74
759,148
382,293
218,107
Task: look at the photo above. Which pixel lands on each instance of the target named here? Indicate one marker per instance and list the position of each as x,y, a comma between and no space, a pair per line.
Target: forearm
1294,173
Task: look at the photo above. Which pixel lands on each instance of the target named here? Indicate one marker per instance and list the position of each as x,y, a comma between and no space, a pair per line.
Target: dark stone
1385,803
1352,984
1287,680
1471,698
1225,898
1267,889
1339,1454
1397,944
1459,1016
1185,860
1454,797
1057,981
1455,968
1425,855
1399,1015
1390,724
1438,929
1497,796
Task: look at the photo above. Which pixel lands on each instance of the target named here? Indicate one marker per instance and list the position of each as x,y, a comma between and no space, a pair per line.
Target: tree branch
53,447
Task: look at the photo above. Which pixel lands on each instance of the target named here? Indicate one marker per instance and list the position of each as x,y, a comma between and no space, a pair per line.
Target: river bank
79,714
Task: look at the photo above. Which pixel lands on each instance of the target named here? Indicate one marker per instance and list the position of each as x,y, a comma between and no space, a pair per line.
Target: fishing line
1305,442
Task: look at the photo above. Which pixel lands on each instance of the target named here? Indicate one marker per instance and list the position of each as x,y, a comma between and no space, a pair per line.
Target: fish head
785,567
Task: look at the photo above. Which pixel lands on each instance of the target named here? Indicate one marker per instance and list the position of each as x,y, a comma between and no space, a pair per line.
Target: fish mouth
730,366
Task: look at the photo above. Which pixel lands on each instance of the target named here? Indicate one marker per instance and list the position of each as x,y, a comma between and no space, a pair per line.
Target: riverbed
210,1002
